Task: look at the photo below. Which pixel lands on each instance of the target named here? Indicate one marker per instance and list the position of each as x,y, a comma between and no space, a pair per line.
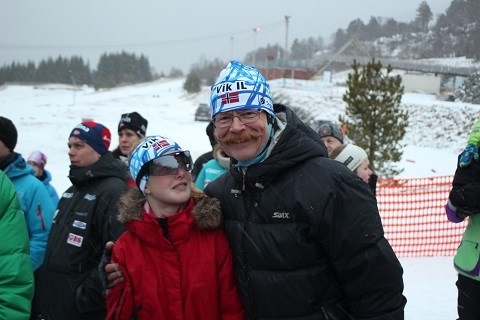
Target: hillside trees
424,16
123,68
374,118
60,70
192,83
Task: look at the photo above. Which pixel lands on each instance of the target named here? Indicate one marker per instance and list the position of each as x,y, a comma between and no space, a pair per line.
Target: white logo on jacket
281,215
90,197
75,240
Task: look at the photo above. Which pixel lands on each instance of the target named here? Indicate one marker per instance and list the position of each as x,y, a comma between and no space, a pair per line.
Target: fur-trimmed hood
207,212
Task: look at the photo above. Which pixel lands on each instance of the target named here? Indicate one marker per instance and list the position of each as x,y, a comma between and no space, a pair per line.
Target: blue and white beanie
150,148
240,87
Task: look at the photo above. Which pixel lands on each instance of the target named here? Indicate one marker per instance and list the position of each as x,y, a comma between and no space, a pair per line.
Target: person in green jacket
16,275
464,203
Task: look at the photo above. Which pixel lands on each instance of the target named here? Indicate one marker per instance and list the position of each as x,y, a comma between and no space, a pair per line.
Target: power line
140,44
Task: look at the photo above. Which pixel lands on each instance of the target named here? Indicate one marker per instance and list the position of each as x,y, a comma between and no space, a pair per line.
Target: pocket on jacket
467,259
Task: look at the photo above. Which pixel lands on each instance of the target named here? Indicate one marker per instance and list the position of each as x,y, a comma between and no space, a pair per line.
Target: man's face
331,143
243,141
4,151
127,140
80,153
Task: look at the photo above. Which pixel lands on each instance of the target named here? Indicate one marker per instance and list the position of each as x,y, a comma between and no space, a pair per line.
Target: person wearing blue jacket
214,168
38,160
34,198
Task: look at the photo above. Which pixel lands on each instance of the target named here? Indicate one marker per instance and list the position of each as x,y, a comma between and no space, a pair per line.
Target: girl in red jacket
174,255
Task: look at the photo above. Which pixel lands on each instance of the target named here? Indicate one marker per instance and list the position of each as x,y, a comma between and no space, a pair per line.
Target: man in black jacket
69,284
305,232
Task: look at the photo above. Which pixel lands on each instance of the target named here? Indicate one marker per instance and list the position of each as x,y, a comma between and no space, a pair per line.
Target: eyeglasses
246,117
166,165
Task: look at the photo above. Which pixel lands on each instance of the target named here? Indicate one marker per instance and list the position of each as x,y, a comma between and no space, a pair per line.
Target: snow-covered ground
44,116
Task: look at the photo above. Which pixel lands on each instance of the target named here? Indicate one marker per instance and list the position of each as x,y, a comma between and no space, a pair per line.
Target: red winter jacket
189,277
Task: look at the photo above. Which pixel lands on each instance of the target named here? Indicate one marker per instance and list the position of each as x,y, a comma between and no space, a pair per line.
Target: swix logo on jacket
281,215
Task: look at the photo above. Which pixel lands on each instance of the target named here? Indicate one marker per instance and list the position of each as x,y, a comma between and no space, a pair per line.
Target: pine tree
374,118
192,83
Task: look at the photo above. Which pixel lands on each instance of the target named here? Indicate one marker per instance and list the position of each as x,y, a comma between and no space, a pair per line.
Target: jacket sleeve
89,295
368,270
39,216
16,276
120,298
466,187
231,307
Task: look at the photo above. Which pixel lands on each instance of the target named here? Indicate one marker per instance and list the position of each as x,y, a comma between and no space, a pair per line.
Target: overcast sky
177,33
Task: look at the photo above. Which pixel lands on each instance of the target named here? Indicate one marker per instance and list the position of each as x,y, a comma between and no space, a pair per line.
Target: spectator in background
69,283
214,168
16,275
332,136
207,156
34,198
355,158
464,203
38,160
132,128
191,275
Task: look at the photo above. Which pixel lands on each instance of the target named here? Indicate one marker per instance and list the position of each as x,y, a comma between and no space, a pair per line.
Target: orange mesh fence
414,218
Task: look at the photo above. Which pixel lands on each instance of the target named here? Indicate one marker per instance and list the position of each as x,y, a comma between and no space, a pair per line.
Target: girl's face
363,171
167,190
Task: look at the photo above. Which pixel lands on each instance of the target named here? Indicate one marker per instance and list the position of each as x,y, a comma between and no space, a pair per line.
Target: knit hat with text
96,135
135,122
352,156
240,87
148,149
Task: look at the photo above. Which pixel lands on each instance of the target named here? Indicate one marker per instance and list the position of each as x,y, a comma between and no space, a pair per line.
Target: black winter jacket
306,235
69,285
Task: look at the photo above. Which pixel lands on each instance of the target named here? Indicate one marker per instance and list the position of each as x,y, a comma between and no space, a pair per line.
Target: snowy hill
45,114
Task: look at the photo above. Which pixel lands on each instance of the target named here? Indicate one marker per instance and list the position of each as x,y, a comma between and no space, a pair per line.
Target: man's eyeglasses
226,120
166,165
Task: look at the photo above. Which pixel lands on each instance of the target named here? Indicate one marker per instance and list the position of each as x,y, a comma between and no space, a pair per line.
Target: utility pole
286,37
255,30
286,49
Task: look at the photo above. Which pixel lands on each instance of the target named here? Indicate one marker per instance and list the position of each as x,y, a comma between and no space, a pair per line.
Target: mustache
243,136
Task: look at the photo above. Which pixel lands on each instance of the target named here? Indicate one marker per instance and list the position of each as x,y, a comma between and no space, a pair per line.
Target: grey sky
177,33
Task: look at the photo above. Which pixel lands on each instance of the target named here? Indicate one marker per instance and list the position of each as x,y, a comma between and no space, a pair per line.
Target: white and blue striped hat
240,87
150,148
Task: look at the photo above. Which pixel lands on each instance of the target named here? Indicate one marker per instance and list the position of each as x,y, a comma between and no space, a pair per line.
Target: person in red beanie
69,286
